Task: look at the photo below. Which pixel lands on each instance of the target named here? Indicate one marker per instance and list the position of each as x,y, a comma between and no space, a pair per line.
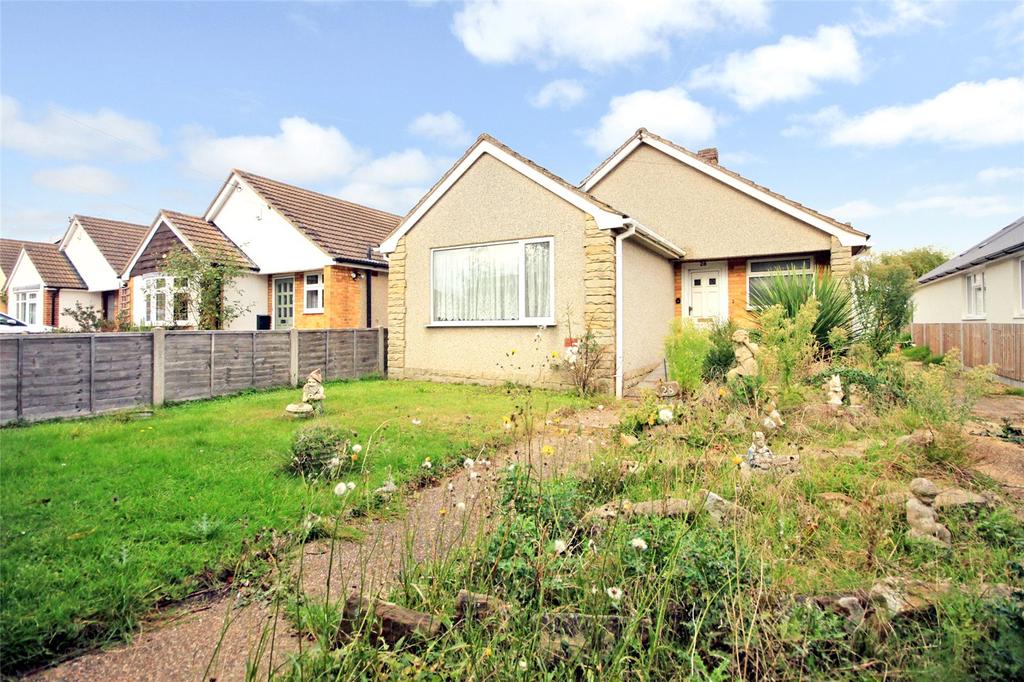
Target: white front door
284,302
705,287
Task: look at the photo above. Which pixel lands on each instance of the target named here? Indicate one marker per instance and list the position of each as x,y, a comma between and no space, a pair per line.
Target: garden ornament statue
835,391
313,391
921,515
760,459
759,455
746,355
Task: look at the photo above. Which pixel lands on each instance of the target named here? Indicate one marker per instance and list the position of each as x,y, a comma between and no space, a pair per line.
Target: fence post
355,340
327,353
92,373
293,368
942,338
381,350
20,376
159,348
213,354
252,381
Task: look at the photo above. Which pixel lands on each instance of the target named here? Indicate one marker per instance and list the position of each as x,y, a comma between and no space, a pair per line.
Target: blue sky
905,118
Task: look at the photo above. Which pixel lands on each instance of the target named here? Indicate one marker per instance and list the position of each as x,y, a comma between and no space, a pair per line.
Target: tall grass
833,294
686,349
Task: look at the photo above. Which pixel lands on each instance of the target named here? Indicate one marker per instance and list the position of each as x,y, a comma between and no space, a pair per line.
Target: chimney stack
709,155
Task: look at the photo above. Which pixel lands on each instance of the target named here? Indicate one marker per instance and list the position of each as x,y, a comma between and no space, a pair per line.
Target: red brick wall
344,300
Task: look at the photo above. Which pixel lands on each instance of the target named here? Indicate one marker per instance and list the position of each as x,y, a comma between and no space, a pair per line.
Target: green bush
884,309
832,294
319,452
721,357
788,343
686,349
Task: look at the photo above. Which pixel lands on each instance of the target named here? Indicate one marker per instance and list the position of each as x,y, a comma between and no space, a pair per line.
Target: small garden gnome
759,455
921,515
746,355
835,391
313,391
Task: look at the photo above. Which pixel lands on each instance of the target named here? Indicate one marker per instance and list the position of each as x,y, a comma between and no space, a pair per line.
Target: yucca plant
835,307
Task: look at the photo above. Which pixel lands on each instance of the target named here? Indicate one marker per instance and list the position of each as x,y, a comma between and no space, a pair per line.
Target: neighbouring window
26,306
761,272
975,291
504,283
166,300
314,292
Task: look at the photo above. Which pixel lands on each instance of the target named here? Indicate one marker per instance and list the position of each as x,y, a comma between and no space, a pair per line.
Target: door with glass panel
705,295
284,302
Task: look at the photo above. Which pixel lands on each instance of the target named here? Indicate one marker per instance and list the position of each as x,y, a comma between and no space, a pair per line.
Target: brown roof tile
206,236
795,204
344,230
9,251
116,240
54,267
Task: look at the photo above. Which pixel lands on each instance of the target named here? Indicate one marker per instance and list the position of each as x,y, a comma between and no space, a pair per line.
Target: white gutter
619,238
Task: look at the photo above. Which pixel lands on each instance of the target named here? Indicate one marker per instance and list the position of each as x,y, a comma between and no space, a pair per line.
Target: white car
12,325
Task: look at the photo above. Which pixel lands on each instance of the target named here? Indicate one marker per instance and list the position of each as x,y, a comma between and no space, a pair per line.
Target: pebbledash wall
43,376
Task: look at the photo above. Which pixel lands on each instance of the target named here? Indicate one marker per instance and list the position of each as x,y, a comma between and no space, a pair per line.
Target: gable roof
116,240
202,234
10,249
55,269
1005,242
605,215
344,230
847,235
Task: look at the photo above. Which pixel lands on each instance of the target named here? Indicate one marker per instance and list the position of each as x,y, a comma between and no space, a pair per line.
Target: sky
904,118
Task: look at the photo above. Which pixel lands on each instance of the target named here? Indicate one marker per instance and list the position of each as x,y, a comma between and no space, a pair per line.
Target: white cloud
395,182
669,112
301,152
903,15
34,224
67,134
1001,174
398,200
806,124
445,127
563,93
738,158
789,69
80,179
592,33
855,210
967,206
969,114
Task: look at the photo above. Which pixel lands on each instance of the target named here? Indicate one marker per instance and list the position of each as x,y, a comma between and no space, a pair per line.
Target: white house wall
250,293
67,300
265,236
944,300
90,263
24,275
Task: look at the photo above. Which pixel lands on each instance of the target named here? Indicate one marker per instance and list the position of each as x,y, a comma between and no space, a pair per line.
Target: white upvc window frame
1019,308
523,321
760,275
149,290
318,287
970,280
20,292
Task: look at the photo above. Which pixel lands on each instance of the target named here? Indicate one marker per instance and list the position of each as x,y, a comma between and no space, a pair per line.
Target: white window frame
523,321
306,287
809,271
970,286
149,291
1019,312
25,291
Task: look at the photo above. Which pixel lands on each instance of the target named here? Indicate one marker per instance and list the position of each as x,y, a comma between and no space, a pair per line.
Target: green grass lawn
100,519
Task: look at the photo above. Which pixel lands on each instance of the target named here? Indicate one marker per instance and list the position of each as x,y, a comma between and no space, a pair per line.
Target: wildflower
340,489
721,392
354,456
522,664
507,426
593,589
484,462
461,506
416,422
614,593
488,651
548,450
737,460
512,467
638,544
427,464
451,487
443,511
513,352
600,408
334,463
473,475
554,354
357,448
665,415
560,546
468,463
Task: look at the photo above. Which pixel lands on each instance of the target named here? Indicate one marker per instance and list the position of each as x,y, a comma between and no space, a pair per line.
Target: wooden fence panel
950,337
232,362
9,372
980,343
340,363
187,366
273,356
1008,350
55,376
312,353
122,371
933,337
976,344
365,352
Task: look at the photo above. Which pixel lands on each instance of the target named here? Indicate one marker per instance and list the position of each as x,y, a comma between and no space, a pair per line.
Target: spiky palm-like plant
833,295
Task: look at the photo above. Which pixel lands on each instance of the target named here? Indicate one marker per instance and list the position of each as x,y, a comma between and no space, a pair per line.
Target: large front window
508,283
26,306
760,274
165,301
975,293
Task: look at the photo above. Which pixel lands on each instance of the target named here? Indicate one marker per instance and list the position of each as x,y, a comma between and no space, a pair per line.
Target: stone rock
735,421
299,410
669,507
480,608
919,439
958,497
667,389
389,488
555,647
896,499
628,467
746,356
628,440
858,395
906,598
389,622
921,516
721,510
842,502
605,513
852,609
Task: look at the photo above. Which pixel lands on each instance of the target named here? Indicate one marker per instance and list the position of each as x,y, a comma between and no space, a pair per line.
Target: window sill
974,318
313,311
495,323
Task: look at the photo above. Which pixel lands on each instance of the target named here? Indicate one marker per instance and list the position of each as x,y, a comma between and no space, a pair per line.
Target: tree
201,282
919,260
882,294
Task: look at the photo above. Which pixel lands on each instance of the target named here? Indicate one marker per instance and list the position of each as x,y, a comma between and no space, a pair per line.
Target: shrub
582,360
319,452
721,357
788,343
945,393
883,308
686,349
832,294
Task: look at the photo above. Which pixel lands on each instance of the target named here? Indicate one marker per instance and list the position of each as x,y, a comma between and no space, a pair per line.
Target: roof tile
206,236
54,267
116,240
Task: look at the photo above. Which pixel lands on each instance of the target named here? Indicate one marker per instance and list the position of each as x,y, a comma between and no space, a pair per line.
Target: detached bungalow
503,265
47,279
10,249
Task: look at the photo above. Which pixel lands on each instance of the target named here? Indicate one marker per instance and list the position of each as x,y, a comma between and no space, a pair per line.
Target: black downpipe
369,298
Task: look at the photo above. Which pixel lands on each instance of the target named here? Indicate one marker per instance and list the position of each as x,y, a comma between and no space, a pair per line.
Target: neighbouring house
315,253
737,234
502,266
156,298
47,280
975,302
10,249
